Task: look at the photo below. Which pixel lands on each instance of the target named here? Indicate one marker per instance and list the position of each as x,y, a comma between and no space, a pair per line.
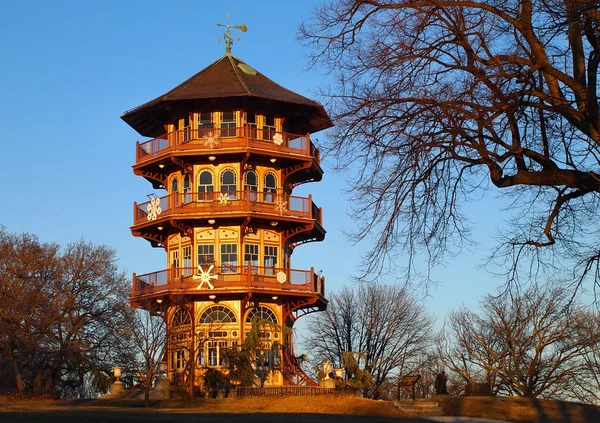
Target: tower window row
226,182
227,122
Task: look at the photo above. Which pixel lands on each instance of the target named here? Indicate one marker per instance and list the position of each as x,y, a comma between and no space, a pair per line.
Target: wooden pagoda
228,146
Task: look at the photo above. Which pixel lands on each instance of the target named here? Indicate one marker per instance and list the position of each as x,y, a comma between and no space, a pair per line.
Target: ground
288,409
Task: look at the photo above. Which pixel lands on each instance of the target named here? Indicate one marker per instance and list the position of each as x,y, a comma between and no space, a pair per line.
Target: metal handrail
223,202
227,277
223,138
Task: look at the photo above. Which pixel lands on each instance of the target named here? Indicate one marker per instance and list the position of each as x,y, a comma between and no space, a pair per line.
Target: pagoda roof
228,81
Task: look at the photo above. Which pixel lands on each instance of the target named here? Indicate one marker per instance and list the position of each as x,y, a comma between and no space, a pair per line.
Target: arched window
251,184
187,189
270,187
229,182
181,318
217,314
261,313
175,190
205,185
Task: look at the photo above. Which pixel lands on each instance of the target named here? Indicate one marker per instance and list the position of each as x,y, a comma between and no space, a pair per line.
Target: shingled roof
228,83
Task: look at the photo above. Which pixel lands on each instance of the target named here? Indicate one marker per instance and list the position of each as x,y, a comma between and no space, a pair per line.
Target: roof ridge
238,76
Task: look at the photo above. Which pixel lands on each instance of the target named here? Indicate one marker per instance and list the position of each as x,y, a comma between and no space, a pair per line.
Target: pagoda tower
226,148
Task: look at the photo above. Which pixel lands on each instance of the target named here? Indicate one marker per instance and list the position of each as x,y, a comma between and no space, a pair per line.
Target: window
187,189
212,353
252,123
251,257
217,314
261,313
175,259
229,182
270,188
178,359
228,124
205,186
229,260
270,258
175,190
268,127
187,129
205,123
206,255
181,318
187,260
251,184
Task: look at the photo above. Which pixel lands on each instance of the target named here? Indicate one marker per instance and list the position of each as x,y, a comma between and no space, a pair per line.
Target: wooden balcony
193,205
219,140
227,279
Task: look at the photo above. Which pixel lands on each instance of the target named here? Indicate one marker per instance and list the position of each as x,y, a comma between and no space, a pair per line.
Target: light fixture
274,297
162,166
211,221
274,223
159,300
212,296
212,158
273,160
160,228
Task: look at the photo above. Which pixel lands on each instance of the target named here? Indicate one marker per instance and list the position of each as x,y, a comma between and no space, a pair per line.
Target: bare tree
149,336
432,98
383,322
530,345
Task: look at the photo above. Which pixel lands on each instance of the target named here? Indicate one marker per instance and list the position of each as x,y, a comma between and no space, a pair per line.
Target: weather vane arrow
227,35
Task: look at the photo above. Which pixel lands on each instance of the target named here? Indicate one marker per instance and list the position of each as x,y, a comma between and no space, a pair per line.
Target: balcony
202,141
227,279
215,204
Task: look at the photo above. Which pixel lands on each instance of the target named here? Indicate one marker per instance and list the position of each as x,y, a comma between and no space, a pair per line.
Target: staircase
419,408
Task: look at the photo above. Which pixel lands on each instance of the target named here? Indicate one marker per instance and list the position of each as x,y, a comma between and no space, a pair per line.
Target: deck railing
227,277
227,138
211,203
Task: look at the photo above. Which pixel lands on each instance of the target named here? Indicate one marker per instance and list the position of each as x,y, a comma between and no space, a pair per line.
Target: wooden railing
228,277
227,138
210,203
282,391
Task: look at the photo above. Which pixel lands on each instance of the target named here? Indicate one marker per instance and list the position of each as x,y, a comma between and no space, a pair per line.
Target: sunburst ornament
153,208
224,199
278,139
281,205
211,140
205,277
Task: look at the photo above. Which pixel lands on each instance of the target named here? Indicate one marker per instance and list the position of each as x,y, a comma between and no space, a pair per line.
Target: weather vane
227,35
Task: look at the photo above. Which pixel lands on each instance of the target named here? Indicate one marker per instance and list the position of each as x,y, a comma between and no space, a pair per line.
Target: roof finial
227,35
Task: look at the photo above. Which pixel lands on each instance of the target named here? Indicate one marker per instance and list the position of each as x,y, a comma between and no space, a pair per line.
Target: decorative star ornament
211,140
281,205
224,199
278,139
281,277
153,208
205,277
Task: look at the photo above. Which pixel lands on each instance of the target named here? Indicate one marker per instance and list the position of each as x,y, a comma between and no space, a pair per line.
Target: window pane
229,259
206,254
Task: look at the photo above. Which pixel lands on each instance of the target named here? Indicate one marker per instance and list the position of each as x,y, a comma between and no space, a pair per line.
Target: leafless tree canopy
433,100
533,345
387,325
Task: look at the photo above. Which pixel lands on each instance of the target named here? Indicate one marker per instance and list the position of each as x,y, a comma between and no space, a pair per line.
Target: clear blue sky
70,68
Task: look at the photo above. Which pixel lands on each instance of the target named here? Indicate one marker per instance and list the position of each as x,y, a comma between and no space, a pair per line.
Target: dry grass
294,404
521,410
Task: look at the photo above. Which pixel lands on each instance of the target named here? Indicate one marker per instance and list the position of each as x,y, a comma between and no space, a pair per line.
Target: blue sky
70,68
